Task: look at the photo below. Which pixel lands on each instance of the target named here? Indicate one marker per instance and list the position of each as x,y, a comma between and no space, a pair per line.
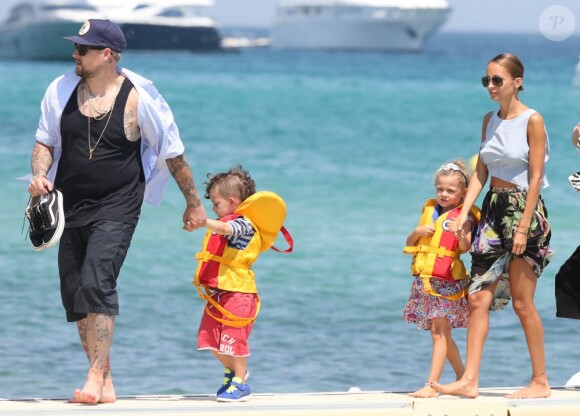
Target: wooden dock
563,402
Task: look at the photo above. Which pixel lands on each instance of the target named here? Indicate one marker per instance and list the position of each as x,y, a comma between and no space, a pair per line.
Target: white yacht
164,24
34,29
383,25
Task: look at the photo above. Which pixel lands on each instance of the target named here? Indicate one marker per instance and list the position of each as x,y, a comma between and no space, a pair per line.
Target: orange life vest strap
288,239
232,320
440,251
207,256
429,289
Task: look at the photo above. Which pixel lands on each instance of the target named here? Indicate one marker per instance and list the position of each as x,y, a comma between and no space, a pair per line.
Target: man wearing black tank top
107,140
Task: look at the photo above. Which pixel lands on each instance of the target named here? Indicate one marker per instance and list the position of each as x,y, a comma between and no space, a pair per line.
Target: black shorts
89,261
568,288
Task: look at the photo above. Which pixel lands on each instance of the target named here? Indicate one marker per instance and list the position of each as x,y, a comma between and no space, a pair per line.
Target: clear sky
467,15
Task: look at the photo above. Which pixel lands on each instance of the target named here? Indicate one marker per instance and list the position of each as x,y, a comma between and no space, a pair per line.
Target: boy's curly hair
236,182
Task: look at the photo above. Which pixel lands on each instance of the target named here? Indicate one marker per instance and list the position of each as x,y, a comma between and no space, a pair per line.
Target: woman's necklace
102,116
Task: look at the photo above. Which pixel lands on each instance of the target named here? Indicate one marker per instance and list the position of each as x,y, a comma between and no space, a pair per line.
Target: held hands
456,226
40,185
194,218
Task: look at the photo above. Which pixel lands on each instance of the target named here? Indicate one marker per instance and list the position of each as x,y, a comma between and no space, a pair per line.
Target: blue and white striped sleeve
242,233
241,227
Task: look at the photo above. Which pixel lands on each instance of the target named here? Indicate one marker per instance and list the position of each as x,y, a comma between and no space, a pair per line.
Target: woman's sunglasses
83,49
496,80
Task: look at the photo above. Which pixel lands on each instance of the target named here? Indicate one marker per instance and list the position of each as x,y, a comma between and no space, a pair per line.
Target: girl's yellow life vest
438,256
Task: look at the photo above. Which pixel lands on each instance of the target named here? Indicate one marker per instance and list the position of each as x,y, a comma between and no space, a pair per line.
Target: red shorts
226,339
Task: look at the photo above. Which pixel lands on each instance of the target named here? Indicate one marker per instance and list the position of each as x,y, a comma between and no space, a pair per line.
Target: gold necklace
93,108
92,149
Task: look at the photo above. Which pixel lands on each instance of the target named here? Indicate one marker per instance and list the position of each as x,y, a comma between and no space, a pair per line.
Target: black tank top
111,184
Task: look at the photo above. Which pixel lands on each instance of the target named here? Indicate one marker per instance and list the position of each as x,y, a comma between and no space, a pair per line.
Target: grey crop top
505,150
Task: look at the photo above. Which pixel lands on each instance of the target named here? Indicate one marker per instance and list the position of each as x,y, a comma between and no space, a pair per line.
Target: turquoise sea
351,141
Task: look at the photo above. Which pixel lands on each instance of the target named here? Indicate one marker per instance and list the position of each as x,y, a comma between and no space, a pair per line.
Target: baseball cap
98,32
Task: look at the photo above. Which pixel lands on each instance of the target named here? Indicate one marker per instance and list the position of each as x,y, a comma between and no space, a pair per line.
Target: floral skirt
491,248
422,307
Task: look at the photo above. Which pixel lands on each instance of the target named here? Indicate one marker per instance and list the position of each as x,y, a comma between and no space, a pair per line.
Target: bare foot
458,388
92,390
534,390
425,392
108,395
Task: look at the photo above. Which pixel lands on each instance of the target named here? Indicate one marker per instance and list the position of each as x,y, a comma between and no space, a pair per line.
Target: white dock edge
563,402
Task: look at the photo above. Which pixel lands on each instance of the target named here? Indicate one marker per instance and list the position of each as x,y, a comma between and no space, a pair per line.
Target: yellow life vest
222,267
438,256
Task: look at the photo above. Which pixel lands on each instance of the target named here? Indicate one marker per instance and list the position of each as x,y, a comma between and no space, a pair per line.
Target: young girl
437,301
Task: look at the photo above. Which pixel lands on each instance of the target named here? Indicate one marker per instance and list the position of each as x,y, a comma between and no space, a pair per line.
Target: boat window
346,10
20,12
23,8
171,13
53,7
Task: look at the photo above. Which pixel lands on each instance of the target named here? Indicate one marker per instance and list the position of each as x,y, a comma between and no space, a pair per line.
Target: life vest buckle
439,251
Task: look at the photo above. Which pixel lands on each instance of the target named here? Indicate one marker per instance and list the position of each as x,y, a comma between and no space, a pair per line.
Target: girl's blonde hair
455,167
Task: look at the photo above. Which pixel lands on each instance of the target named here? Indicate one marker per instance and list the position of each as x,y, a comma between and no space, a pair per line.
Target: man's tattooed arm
41,159
181,172
40,163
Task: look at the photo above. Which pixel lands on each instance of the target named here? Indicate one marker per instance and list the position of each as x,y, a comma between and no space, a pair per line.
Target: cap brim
80,41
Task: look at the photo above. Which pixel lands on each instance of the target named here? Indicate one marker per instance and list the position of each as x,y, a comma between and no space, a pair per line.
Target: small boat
244,42
234,38
34,30
382,25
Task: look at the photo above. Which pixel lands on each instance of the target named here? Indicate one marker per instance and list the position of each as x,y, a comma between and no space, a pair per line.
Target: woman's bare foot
458,388
93,389
425,392
537,389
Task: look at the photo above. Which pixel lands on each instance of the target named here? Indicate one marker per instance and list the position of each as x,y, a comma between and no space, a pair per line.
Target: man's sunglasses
83,49
496,80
